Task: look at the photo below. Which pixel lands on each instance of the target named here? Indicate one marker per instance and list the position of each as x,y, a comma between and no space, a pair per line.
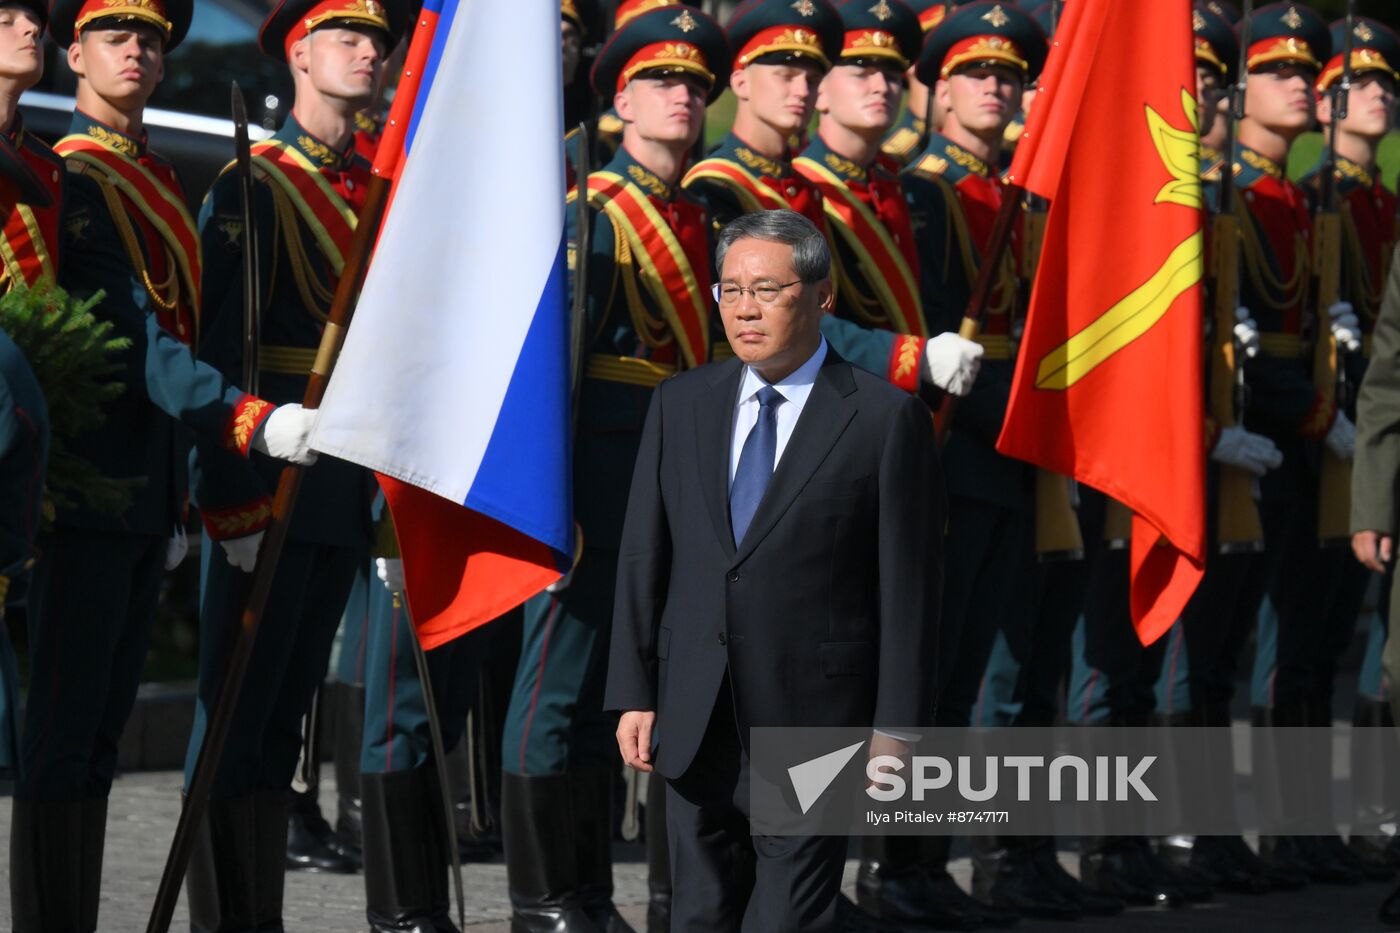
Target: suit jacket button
723,638
733,576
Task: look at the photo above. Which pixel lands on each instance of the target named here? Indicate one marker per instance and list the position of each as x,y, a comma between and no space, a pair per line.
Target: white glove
243,552
1246,332
1341,437
951,363
286,433
390,570
176,549
1345,326
1239,448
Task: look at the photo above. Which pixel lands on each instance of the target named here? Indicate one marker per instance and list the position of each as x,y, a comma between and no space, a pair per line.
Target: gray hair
811,257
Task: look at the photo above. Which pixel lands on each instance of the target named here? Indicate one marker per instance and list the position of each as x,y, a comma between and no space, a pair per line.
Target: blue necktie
756,462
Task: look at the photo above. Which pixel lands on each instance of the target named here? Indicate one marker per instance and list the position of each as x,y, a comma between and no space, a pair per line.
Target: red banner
1108,385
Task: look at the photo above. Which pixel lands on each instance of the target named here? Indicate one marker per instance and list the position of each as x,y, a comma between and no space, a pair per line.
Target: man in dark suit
781,565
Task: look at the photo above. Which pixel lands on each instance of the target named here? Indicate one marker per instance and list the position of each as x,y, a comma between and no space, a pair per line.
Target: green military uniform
129,235
306,199
648,315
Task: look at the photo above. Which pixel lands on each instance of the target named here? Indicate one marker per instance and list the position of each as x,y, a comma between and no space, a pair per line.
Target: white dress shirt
795,389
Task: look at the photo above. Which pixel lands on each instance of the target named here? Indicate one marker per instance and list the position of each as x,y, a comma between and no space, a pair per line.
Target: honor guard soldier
1367,212
781,52
920,115
1201,655
879,322
308,188
1288,44
977,63
130,236
645,281
610,125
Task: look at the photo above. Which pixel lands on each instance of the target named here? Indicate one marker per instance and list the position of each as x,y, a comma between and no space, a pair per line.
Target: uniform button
723,638
349,184
792,192
733,576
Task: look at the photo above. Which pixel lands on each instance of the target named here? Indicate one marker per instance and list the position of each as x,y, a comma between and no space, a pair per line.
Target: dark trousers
289,659
1115,676
989,554
397,736
556,722
724,878
91,610
1300,582
1216,624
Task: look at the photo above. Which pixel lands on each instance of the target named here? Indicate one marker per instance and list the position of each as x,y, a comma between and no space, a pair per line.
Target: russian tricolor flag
453,383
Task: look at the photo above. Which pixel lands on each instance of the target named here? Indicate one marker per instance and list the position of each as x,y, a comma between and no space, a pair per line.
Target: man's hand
176,548
1341,437
390,573
243,552
1374,549
1246,332
1345,326
882,743
286,434
951,363
1239,448
634,738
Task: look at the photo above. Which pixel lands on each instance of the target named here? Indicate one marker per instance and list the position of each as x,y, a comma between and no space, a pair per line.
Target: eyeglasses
763,294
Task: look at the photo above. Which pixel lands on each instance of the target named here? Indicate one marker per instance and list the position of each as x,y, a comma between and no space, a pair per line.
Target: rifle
583,241
1329,364
987,274
252,312
1238,528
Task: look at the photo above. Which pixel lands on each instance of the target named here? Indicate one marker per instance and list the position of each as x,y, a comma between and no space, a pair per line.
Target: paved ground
144,808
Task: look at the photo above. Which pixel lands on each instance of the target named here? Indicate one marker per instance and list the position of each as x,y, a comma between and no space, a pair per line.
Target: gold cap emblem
1291,19
805,8
882,11
1198,22
685,22
1363,32
996,16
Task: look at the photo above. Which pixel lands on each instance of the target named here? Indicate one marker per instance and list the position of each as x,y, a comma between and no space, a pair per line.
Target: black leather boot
349,737
1090,902
1004,874
269,861
310,840
1390,907
903,879
405,859
1110,865
221,883
593,808
56,864
658,858
540,831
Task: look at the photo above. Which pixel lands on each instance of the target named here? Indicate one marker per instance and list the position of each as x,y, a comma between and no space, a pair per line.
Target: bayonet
252,297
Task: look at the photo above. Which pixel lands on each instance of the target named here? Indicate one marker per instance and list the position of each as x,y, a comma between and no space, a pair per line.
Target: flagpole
221,716
987,275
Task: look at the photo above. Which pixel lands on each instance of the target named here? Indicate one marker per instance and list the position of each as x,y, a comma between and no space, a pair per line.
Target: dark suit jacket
826,613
